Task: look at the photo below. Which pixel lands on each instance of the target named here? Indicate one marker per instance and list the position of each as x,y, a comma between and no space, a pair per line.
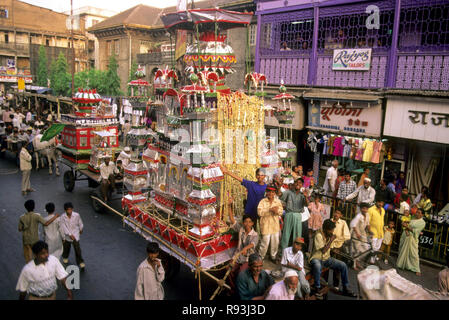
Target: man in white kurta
52,233
331,177
150,275
359,232
364,194
125,156
38,277
286,289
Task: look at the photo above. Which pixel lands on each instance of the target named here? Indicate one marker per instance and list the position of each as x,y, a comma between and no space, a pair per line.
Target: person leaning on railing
364,194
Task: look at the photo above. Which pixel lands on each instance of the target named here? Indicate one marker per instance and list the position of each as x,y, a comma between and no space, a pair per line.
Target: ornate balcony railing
410,45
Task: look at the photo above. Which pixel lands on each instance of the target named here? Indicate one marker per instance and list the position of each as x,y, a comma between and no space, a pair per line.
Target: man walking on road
29,226
25,167
150,275
52,233
38,277
71,229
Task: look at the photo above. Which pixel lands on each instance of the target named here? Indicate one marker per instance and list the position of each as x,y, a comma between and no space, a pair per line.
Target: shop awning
343,133
341,96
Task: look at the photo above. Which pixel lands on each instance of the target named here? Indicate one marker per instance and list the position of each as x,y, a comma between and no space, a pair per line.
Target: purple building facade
389,114
410,49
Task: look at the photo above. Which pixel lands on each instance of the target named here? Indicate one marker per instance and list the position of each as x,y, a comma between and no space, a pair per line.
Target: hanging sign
351,59
418,120
344,118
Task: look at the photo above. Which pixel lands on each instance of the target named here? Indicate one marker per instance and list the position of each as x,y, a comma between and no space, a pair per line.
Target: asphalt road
112,252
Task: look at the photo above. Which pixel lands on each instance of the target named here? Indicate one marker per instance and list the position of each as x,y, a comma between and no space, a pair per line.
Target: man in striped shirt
346,187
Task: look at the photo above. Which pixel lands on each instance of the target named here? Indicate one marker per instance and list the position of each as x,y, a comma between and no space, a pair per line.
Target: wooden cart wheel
97,206
69,180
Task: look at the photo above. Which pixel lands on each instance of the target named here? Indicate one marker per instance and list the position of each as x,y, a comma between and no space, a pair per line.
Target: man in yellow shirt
269,211
321,258
341,242
376,225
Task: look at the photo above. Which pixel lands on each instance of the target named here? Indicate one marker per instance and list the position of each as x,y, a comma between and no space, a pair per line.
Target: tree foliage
60,77
112,79
42,72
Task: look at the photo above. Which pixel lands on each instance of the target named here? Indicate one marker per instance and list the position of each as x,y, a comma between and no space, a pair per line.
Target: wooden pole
73,48
199,269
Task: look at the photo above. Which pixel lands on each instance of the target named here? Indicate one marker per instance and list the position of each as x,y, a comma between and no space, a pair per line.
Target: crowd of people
289,223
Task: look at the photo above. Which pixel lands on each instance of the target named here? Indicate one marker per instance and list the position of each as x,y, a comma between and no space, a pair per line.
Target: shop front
346,128
419,128
272,124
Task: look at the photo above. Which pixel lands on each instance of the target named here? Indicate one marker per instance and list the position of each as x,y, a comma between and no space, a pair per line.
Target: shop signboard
351,59
3,78
346,118
424,120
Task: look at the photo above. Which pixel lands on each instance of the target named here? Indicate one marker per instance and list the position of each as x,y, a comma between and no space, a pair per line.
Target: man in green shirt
295,202
254,282
29,226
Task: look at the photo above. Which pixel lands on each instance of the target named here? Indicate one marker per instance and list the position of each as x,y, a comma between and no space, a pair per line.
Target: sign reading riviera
351,59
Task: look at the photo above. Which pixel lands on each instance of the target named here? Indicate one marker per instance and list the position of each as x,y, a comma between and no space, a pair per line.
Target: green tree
42,72
52,75
112,79
61,79
132,75
82,80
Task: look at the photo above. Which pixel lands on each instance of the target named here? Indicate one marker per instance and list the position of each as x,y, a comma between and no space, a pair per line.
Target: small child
315,222
388,239
308,179
406,216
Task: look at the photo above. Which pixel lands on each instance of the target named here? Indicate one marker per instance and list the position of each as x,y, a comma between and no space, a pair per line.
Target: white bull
46,149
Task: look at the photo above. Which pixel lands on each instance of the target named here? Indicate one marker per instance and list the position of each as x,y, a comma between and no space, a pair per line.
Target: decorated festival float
177,193
90,132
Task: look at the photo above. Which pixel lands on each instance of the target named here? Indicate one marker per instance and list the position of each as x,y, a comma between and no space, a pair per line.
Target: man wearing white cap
364,193
125,155
284,290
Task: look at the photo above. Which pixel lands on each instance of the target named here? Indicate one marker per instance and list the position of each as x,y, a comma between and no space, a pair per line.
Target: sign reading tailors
426,120
351,59
344,118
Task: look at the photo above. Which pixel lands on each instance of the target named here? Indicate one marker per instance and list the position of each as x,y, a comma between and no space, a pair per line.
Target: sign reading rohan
351,59
343,118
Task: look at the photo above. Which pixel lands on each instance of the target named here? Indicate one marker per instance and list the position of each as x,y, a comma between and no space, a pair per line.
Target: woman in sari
408,247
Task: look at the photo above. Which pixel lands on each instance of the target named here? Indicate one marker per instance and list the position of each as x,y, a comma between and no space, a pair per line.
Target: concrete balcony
154,57
14,48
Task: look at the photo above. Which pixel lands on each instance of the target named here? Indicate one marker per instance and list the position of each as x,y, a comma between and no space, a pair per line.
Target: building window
252,34
47,42
349,31
296,35
424,27
117,47
109,47
266,36
6,38
4,13
145,47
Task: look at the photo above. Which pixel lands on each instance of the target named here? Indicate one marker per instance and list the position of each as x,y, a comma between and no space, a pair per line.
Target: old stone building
138,34
90,16
23,29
